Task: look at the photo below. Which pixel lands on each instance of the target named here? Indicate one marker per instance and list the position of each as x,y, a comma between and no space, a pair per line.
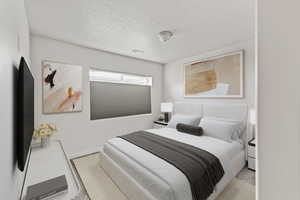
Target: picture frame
62,87
205,78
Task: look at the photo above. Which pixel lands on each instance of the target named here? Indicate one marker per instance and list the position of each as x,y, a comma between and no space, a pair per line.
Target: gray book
47,188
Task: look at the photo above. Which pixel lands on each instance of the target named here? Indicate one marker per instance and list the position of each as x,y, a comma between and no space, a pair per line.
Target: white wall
14,42
77,132
174,77
278,100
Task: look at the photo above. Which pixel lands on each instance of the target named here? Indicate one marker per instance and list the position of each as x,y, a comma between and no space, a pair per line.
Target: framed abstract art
216,77
62,87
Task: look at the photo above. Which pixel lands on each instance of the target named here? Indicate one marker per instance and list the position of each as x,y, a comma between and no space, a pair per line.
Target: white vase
45,141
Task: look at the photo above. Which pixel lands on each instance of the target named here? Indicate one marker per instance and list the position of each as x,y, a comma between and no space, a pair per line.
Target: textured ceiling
120,26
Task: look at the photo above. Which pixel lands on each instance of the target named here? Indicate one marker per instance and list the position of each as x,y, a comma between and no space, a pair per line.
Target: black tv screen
25,113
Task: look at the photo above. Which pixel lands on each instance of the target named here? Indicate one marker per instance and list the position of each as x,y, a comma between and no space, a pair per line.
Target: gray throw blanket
202,169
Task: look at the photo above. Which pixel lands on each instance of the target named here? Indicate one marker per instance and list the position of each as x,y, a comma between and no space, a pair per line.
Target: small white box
251,163
251,151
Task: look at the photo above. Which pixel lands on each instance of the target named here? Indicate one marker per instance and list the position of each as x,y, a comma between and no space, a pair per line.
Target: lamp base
166,117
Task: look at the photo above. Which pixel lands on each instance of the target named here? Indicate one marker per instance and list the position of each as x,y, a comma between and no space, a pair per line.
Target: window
115,94
114,77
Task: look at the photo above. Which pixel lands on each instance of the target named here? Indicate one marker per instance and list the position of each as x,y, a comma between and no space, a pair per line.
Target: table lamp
252,116
166,108
252,120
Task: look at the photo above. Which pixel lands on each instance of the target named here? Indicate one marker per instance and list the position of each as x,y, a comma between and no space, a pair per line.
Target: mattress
161,179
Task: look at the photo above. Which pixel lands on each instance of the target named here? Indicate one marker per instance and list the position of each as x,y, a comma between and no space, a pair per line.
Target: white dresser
50,162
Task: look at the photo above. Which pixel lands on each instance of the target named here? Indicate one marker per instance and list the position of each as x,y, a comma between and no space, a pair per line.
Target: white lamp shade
252,116
166,107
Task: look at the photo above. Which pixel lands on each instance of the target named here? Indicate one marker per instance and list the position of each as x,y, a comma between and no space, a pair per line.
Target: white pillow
227,130
240,126
185,119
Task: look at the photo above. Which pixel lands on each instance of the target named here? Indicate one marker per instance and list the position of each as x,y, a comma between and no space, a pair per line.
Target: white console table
50,162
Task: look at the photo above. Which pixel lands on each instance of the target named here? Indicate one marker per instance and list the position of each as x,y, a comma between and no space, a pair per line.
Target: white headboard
228,111
188,108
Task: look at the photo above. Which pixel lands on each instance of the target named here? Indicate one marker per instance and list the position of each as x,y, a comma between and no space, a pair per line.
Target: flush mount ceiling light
165,35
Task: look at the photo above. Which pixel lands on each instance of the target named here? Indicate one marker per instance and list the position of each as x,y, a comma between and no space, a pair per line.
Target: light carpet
99,185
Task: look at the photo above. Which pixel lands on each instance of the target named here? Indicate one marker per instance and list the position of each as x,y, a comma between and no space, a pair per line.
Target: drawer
251,163
251,151
158,126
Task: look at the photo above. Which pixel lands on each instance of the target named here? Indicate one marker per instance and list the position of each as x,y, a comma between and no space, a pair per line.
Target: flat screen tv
25,113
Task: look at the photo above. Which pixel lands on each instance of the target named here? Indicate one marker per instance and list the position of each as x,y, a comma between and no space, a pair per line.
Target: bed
140,175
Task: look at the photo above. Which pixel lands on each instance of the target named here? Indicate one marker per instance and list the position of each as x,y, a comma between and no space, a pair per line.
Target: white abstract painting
217,77
62,87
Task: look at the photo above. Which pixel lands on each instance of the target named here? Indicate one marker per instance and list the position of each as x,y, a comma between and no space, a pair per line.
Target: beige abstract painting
62,87
220,76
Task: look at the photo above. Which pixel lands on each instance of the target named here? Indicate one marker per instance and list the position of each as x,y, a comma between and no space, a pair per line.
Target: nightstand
159,124
252,154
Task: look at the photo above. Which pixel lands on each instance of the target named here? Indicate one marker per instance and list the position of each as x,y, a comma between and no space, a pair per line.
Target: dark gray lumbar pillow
190,129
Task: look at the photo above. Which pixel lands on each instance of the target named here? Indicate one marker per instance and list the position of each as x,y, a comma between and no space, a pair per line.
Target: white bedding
163,180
